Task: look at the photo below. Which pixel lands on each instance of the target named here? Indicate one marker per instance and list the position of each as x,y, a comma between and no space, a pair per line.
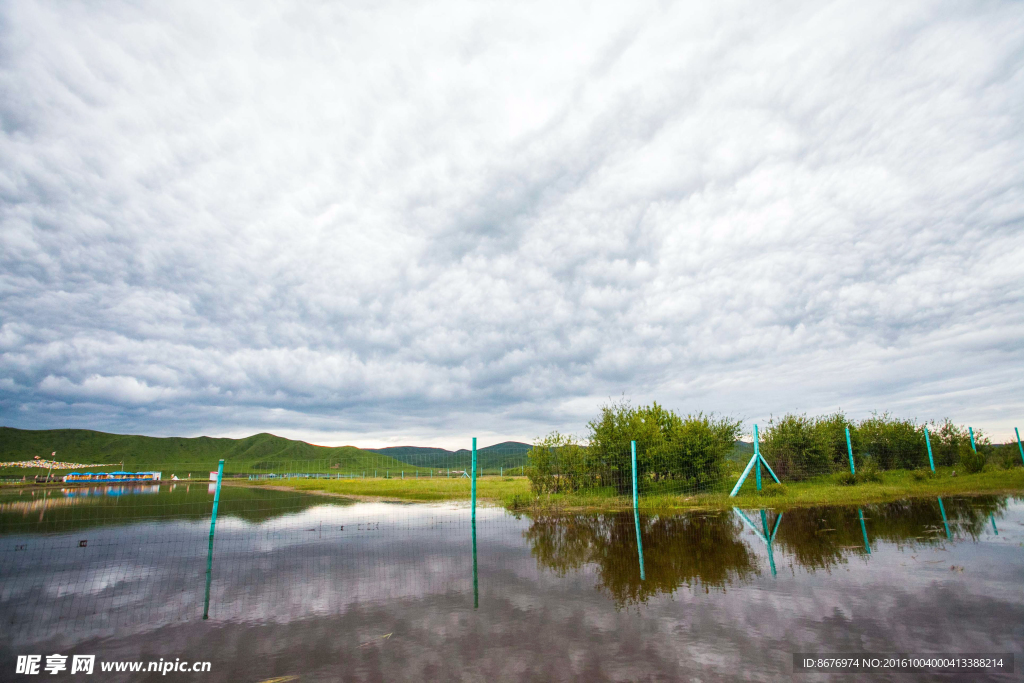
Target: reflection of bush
681,550
709,549
822,537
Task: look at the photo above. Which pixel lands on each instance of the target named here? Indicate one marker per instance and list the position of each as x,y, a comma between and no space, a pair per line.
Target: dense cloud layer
398,221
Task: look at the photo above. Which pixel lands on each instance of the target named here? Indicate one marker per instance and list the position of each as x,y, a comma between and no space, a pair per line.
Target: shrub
847,479
869,472
946,440
517,501
693,451
921,475
558,464
793,450
1011,456
772,490
972,461
893,443
689,451
830,437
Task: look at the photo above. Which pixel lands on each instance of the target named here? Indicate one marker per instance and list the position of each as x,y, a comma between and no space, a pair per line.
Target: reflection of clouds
292,600
96,581
27,506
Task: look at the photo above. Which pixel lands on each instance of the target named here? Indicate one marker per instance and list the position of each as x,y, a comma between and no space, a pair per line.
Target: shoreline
514,494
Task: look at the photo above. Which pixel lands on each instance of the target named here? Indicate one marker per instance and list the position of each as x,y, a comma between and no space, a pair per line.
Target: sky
384,223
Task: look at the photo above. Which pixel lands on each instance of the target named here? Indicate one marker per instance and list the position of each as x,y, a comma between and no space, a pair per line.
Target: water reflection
687,550
61,510
708,549
298,586
767,537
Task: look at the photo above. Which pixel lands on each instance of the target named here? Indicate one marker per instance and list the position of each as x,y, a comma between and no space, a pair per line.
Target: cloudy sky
398,222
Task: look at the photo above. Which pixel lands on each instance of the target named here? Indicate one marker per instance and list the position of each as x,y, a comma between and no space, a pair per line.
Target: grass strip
514,492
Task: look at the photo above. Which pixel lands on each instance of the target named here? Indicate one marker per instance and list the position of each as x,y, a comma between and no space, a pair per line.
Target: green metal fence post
216,498
636,512
973,447
945,523
473,483
743,477
632,447
928,443
476,583
213,528
1019,446
864,531
993,518
639,543
757,454
768,538
849,452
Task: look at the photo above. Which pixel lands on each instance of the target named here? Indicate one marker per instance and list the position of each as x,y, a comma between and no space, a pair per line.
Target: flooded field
324,589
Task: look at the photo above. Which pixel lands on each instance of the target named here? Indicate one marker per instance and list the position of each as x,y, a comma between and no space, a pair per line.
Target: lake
325,589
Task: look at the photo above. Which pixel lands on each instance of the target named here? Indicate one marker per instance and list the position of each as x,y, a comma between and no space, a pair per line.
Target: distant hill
259,451
741,451
507,454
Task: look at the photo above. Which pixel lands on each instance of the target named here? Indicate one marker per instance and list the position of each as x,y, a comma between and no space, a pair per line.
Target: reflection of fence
140,555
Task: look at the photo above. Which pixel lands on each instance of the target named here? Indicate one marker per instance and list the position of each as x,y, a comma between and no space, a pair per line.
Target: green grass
491,489
514,492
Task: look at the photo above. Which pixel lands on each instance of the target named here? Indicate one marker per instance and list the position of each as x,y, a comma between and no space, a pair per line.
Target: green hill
260,452
741,451
508,454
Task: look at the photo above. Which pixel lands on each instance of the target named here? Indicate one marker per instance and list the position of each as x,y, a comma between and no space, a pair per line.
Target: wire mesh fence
108,536
674,456
111,560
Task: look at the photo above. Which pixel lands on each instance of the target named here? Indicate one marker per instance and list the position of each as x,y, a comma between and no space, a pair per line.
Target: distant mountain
741,451
508,454
253,452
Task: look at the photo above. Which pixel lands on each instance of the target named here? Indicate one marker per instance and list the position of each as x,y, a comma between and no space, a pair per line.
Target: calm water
313,587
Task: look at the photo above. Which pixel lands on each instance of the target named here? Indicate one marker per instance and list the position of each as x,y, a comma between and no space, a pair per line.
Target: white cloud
447,219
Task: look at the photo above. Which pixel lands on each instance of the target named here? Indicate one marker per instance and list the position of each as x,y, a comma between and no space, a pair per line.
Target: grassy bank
514,492
489,489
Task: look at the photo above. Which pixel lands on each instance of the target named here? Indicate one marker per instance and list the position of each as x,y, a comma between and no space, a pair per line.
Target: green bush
922,474
517,501
830,435
790,449
971,460
687,453
797,447
869,472
893,443
947,439
772,490
1011,456
846,478
557,463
